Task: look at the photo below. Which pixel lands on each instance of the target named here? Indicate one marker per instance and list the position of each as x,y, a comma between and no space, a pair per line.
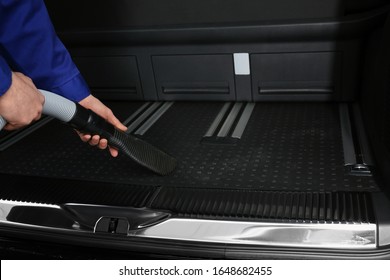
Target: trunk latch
112,225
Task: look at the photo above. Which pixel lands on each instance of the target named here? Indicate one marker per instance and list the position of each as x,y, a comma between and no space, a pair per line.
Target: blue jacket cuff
5,76
76,89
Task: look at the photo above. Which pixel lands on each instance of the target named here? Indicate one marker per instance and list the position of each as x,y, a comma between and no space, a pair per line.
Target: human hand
94,104
22,103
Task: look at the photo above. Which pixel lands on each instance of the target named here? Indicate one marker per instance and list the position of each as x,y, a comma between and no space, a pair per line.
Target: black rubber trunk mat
285,146
199,203
316,207
60,191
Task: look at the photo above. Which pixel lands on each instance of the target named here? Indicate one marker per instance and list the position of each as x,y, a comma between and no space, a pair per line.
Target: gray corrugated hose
55,106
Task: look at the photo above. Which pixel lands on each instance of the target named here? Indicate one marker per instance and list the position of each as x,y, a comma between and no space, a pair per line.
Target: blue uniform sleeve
5,76
29,44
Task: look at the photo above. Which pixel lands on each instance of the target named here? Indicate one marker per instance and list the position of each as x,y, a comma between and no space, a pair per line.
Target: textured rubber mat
60,191
285,146
316,207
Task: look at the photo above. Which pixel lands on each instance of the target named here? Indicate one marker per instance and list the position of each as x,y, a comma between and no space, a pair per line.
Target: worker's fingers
102,110
94,140
9,126
38,116
113,151
103,144
114,121
22,103
83,137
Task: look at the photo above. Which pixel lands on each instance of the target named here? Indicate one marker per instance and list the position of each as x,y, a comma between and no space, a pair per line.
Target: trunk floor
285,146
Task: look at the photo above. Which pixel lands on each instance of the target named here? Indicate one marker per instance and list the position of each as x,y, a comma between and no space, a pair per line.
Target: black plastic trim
263,90
209,90
345,27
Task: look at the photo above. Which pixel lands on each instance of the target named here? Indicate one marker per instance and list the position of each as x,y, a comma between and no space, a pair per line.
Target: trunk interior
279,122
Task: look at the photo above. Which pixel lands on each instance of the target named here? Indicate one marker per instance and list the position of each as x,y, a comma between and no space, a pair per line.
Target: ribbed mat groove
336,207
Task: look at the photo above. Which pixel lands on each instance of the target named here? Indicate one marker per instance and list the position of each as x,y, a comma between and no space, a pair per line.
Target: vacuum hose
87,121
55,106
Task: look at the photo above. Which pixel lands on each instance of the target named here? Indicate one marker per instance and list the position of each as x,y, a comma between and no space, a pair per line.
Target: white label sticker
241,64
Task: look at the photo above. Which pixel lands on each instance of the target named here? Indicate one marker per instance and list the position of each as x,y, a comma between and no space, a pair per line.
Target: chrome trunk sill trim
288,234
303,235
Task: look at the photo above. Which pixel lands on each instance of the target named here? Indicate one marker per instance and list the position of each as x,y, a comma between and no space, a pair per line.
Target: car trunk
279,126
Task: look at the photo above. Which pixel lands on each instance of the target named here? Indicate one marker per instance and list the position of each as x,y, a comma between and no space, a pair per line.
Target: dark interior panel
387,122
306,60
194,77
111,77
140,13
300,76
375,97
358,6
